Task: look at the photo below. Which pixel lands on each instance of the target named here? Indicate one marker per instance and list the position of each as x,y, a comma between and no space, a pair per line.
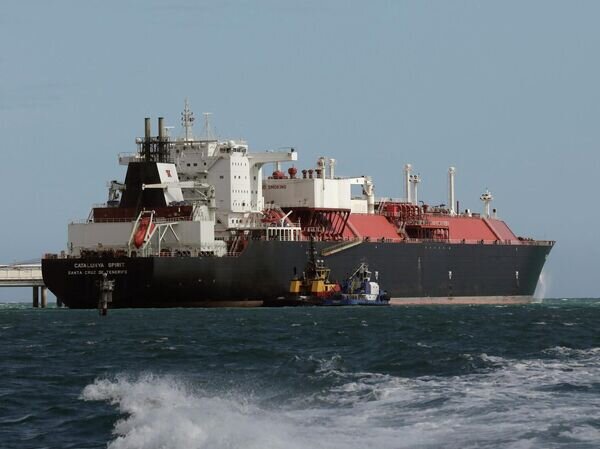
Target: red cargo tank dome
477,228
375,227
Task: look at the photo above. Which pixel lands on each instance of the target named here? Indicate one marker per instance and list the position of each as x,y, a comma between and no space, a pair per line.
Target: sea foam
162,412
515,403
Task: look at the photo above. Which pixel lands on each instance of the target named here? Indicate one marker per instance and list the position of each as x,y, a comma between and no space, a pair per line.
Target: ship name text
96,268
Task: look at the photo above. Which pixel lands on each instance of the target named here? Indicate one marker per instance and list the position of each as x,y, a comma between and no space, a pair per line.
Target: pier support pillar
36,297
44,297
59,303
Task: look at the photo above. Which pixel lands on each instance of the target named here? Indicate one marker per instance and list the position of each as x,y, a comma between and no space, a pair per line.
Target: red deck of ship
461,228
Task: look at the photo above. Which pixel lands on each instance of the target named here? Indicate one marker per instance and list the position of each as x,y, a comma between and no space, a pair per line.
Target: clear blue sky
508,92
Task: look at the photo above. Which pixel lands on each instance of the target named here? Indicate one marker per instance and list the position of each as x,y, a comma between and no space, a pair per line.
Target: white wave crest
162,412
516,403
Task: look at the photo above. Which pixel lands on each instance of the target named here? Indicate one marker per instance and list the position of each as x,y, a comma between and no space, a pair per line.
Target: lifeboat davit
144,228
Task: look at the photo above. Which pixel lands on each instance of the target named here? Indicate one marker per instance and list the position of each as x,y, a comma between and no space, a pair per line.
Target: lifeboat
145,228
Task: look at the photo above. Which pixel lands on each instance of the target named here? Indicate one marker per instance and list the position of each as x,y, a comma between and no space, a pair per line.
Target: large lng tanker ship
195,223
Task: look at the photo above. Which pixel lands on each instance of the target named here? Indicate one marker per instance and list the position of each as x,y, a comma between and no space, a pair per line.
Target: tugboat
359,290
315,289
312,289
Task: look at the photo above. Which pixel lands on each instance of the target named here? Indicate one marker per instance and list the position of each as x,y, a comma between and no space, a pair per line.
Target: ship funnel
407,170
331,168
147,138
161,128
451,173
148,128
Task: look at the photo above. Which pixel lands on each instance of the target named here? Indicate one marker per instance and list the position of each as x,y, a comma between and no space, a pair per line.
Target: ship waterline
411,273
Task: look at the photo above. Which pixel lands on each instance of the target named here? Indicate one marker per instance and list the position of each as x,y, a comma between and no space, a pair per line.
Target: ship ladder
341,246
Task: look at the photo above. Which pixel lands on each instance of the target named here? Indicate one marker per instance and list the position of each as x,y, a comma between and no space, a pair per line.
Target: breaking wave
542,402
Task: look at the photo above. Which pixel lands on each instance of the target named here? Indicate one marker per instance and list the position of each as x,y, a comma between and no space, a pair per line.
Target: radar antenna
187,120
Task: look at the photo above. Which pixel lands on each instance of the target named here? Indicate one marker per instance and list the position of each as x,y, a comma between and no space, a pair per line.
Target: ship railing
389,199
101,220
233,253
159,220
127,220
537,242
524,242
437,223
428,223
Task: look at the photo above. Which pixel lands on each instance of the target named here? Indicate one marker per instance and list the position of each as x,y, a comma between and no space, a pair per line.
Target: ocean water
398,377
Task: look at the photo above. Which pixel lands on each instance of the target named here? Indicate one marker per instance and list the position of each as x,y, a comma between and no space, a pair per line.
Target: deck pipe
451,172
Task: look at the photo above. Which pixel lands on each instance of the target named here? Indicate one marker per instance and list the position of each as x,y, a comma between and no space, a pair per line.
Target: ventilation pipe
331,168
407,170
370,194
415,180
451,201
321,167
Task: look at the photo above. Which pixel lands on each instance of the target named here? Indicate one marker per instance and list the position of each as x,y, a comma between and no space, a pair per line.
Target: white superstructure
235,173
219,190
315,190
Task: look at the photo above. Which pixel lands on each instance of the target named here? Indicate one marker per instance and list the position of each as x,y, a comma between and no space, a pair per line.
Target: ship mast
187,121
208,135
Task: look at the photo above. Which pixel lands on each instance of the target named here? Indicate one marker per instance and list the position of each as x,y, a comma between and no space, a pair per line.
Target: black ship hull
423,272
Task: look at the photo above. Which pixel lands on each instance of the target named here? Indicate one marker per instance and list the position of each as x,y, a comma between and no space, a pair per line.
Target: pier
26,275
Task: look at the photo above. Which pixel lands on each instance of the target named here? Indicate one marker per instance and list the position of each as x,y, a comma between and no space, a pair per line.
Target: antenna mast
187,121
208,135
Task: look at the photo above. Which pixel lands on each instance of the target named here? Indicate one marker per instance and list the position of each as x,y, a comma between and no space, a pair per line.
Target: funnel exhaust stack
147,138
148,128
161,129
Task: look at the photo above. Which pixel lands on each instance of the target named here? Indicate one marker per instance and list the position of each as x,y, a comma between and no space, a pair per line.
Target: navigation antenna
208,135
187,120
